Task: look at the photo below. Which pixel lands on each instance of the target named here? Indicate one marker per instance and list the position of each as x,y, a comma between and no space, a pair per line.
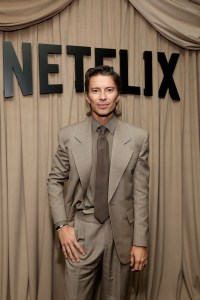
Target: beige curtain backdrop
16,14
177,20
31,266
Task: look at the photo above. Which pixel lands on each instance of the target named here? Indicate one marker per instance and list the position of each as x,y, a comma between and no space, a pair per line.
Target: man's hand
69,244
138,258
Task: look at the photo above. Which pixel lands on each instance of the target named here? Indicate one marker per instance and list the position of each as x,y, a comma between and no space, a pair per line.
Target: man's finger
70,254
137,266
79,248
132,261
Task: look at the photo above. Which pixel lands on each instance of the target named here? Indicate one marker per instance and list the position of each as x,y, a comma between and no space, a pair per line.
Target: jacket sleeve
141,196
58,175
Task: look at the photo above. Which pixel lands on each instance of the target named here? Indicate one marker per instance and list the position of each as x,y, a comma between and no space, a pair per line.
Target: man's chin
104,113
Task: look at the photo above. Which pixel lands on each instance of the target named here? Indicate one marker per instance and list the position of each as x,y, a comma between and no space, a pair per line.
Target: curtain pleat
15,15
178,21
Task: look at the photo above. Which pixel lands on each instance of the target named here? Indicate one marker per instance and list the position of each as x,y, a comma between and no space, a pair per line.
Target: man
102,222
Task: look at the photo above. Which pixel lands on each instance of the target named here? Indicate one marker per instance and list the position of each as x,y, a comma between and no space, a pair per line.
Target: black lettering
148,90
168,81
11,64
79,52
45,68
126,89
100,53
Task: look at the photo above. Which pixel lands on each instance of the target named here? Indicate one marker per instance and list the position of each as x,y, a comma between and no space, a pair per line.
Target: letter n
11,65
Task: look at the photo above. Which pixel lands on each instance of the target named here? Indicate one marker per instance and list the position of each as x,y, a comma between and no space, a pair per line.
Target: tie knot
102,130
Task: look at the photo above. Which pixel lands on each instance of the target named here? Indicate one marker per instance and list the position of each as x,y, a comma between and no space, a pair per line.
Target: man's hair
105,71
102,70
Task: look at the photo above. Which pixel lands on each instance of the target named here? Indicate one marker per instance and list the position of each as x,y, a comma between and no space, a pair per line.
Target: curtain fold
178,21
20,14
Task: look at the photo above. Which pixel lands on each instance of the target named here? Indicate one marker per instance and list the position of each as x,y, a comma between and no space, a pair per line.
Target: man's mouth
103,105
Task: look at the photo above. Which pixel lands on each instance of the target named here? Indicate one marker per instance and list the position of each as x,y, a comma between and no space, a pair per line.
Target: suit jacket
128,181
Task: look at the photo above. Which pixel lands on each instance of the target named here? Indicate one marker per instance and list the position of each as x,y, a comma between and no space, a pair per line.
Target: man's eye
110,90
94,91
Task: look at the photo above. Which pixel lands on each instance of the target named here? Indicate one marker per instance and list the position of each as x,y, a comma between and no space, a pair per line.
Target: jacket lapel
121,155
82,152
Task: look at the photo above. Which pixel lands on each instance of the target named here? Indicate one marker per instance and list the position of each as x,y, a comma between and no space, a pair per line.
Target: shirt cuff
61,223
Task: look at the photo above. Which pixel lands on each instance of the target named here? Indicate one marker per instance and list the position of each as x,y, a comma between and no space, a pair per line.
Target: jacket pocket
130,215
79,229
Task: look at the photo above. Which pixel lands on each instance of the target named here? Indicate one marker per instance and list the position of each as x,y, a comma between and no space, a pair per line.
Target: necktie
101,211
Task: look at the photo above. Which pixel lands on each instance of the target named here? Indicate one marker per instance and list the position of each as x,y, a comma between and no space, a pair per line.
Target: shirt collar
110,125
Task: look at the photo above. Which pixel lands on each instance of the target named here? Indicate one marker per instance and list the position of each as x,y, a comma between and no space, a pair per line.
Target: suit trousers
99,267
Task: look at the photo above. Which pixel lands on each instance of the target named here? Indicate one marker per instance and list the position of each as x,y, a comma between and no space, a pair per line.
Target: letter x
168,81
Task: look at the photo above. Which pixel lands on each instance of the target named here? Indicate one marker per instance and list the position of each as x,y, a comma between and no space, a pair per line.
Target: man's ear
87,98
118,98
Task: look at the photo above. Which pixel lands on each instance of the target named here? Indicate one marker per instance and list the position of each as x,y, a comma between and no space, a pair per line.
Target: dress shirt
87,205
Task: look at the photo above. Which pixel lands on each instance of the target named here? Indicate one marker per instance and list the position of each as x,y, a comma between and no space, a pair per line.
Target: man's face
102,96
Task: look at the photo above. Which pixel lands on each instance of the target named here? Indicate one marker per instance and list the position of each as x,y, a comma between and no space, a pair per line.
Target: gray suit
128,182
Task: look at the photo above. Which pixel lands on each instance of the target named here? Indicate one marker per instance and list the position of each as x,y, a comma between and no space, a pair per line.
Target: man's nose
103,95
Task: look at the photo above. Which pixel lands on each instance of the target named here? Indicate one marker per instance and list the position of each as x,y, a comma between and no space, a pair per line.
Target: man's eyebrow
107,87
